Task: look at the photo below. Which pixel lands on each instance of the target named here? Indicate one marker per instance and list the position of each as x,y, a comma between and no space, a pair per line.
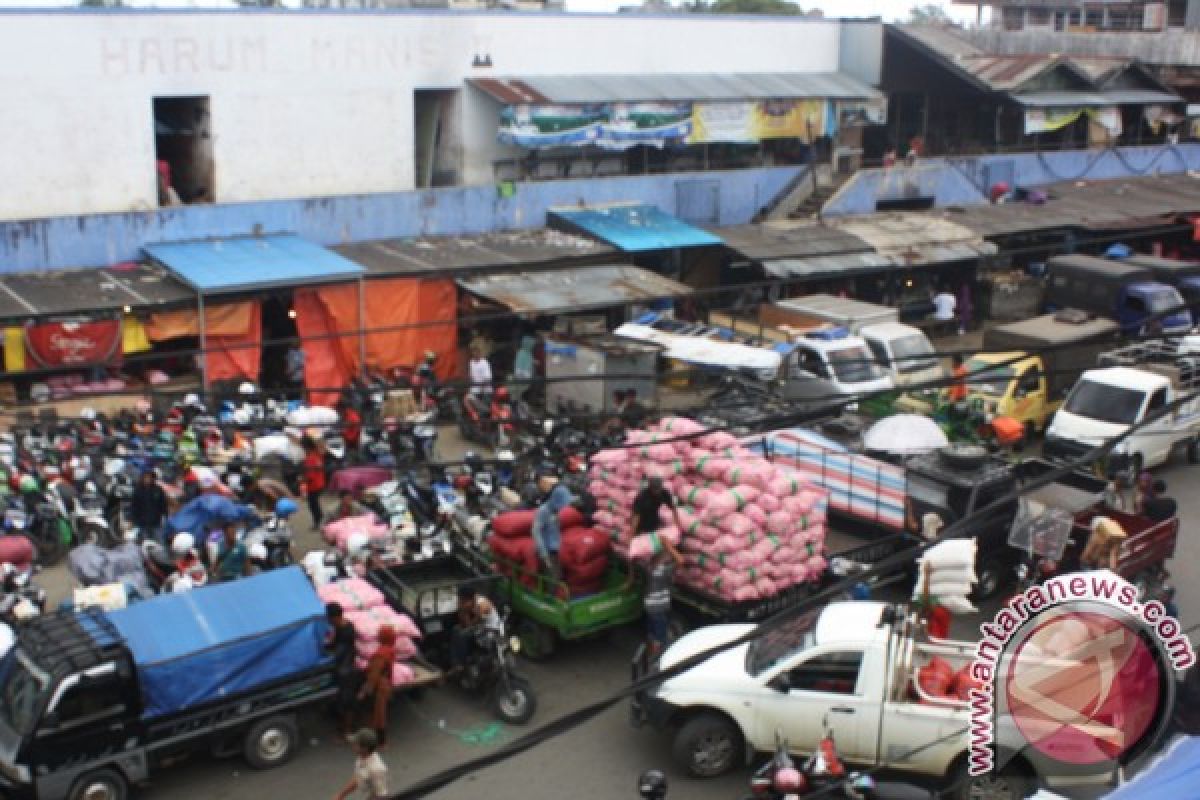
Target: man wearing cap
546,533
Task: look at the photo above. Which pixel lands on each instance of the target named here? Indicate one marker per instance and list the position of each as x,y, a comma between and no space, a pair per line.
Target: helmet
191,399
788,779
247,388
652,785
257,551
28,483
356,544
182,544
501,393
860,591
285,507
182,584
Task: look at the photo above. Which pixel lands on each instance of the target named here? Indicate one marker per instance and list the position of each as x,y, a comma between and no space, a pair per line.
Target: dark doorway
279,336
435,133
183,150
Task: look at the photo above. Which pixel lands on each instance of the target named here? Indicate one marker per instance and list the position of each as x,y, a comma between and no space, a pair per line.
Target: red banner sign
57,344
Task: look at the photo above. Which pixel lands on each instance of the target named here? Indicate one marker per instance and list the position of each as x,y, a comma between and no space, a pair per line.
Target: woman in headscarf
378,683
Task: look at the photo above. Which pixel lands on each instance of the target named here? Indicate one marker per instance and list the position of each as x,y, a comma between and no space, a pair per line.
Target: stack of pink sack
367,611
583,551
339,532
747,528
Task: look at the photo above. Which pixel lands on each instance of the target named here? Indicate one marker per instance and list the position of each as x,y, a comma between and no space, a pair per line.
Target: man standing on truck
546,533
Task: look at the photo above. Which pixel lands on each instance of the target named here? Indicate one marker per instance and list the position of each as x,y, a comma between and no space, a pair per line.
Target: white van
843,360
905,352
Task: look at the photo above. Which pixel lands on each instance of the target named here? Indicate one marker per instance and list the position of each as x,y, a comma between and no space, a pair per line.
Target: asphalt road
597,761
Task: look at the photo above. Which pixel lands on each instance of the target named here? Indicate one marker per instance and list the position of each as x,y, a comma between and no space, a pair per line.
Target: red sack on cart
520,523
583,544
585,571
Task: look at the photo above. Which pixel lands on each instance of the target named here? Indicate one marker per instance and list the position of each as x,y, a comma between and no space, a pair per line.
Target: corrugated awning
790,239
1137,97
574,289
1062,100
633,228
78,291
701,87
226,266
845,264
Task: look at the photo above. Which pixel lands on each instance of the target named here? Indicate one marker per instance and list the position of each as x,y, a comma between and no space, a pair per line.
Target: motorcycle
20,597
823,772
492,424
490,669
276,536
89,517
49,528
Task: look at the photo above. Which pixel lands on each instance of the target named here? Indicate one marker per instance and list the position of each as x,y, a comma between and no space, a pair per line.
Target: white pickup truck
847,668
1133,383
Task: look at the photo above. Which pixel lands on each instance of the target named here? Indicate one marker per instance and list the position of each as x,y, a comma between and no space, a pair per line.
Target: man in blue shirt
546,533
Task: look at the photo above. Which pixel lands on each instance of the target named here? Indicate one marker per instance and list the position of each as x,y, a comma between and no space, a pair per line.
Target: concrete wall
311,104
100,239
965,181
862,51
1171,47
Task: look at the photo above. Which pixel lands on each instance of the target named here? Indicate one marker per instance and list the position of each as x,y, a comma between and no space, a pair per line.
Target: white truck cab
905,352
842,359
1107,402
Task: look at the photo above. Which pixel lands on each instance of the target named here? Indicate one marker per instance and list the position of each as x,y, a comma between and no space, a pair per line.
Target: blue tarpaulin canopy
221,640
1175,773
633,228
247,263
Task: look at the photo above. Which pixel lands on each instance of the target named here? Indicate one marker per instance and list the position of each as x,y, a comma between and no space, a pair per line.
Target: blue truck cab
1125,292
1183,275
91,702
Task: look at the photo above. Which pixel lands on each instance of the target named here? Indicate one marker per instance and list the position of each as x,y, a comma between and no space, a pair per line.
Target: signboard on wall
758,120
62,344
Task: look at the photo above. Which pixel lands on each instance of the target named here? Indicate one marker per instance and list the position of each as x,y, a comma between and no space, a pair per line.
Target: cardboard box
399,403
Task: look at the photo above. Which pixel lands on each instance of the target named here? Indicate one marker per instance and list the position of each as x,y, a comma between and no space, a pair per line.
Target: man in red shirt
351,426
313,480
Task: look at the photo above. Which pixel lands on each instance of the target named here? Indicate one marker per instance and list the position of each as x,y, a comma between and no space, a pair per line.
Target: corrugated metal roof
1083,99
585,89
910,238
790,239
631,227
1010,73
574,289
945,41
246,263
817,266
427,255
76,291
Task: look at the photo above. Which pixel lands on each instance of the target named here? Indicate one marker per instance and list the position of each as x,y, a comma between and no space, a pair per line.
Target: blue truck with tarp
91,702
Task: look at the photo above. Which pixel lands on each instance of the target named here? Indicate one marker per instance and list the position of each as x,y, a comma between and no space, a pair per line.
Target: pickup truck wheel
1008,784
708,745
991,578
271,742
103,784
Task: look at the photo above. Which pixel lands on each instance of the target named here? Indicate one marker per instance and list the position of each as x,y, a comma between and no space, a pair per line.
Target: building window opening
183,151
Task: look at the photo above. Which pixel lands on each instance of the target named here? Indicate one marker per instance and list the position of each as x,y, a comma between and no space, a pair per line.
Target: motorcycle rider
474,611
231,561
480,373
189,569
148,506
425,383
351,426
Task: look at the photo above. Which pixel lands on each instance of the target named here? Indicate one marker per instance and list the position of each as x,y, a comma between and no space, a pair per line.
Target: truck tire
991,574
708,745
103,784
537,640
271,742
1008,784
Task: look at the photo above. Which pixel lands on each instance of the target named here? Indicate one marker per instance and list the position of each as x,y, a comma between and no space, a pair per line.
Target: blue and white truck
92,702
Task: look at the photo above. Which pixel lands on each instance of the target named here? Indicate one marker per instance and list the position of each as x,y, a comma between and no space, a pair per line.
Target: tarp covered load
222,640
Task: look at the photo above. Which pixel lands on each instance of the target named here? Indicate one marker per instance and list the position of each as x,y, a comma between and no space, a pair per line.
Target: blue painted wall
964,181
712,198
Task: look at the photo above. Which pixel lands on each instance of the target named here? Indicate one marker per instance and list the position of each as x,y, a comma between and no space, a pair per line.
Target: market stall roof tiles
574,289
790,239
435,255
703,87
25,295
631,227
248,263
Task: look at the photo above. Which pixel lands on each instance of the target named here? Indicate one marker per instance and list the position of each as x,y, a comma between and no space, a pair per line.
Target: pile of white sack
750,528
951,575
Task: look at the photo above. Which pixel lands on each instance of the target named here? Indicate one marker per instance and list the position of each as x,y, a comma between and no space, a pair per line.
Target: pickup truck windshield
21,696
797,634
988,379
913,353
854,365
1104,402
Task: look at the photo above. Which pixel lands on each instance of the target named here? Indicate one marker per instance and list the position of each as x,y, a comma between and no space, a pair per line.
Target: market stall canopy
632,227
574,289
434,256
65,292
249,263
704,87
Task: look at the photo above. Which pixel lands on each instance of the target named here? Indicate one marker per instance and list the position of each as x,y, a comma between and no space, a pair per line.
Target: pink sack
739,525
696,497
717,441
368,622
817,564
745,594
610,458
709,466
756,514
665,470
785,487
780,523
680,426
767,587
361,594
749,473
730,500
402,674
728,543
646,545
769,502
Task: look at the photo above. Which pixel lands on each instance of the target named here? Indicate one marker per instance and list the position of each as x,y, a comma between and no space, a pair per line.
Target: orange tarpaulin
398,313
225,319
236,356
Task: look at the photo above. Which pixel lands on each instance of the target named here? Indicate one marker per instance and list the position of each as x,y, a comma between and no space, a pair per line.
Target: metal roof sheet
1140,97
816,266
790,239
1065,99
76,291
912,238
224,266
436,255
631,227
585,89
573,289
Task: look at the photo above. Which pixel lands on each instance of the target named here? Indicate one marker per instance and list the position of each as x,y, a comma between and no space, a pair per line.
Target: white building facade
275,105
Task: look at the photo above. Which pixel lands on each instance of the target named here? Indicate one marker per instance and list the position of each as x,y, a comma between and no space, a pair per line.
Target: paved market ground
598,761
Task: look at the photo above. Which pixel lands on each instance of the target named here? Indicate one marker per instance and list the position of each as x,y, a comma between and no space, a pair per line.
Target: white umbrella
905,435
